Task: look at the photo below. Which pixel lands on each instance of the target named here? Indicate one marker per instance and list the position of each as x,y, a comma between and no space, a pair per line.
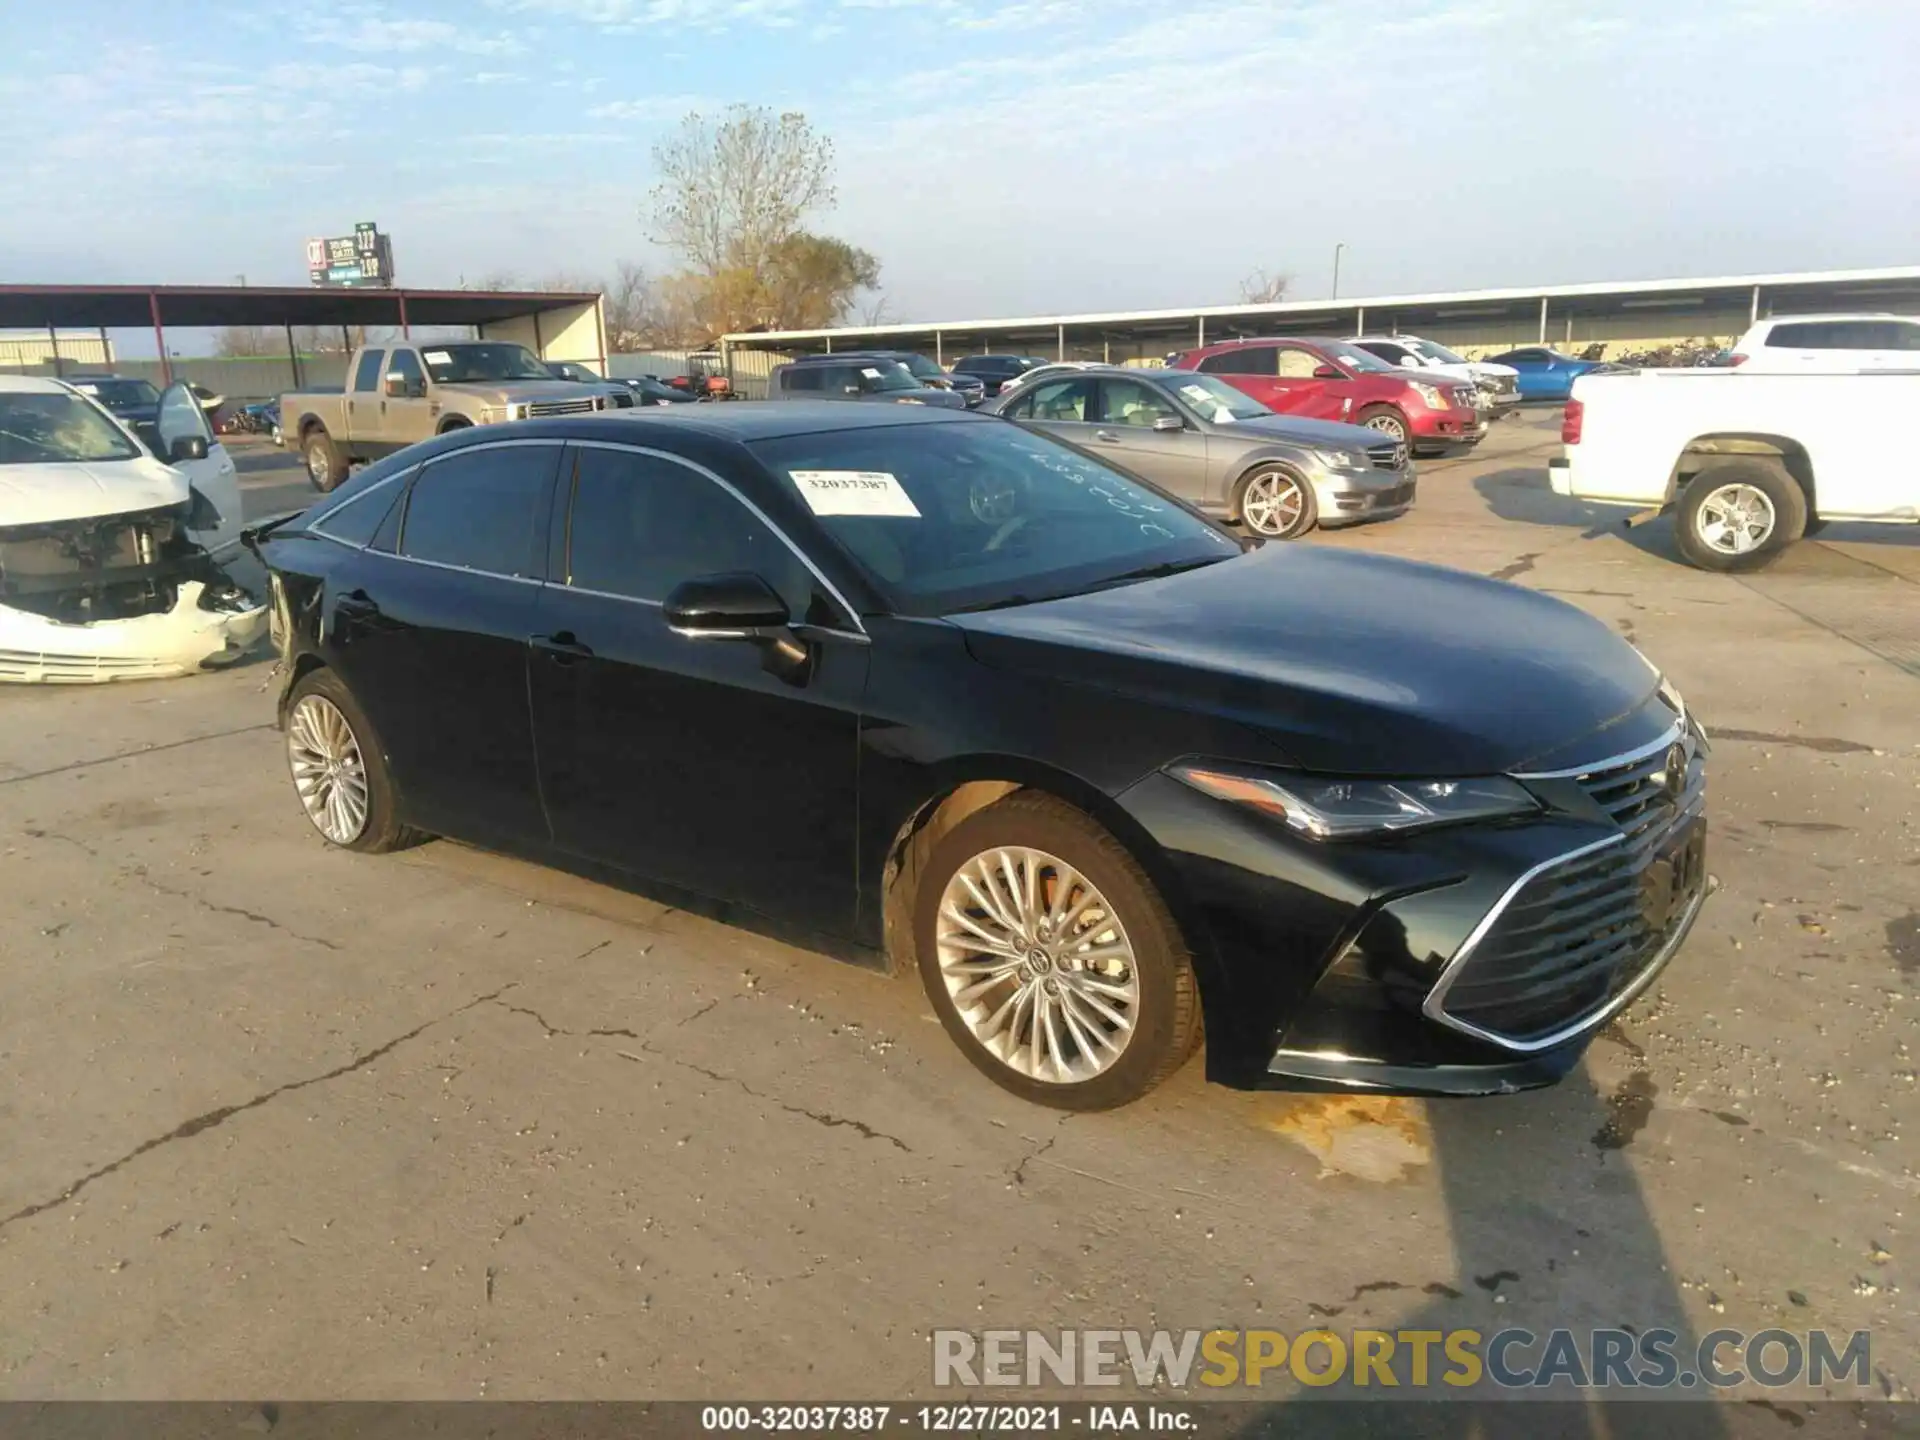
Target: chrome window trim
805,559
318,526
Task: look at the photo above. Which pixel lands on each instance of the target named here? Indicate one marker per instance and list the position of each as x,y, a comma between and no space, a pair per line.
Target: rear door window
801,378
476,509
1297,364
1129,402
1060,400
366,375
1837,335
1246,360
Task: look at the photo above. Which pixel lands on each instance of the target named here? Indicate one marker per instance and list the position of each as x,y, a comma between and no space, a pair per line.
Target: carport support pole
1753,311
406,330
293,357
1202,343
160,338
1360,320
1106,350
53,346
1543,319
1060,343
939,353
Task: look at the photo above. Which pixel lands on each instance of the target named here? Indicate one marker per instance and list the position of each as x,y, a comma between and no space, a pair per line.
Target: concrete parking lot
279,1120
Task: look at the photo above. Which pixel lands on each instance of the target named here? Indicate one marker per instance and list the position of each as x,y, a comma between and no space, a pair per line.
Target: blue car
1547,374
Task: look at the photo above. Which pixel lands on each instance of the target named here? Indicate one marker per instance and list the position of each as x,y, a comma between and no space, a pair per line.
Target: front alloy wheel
1050,958
1277,505
1037,965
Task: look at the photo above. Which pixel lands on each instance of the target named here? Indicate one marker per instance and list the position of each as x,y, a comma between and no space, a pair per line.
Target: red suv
1335,380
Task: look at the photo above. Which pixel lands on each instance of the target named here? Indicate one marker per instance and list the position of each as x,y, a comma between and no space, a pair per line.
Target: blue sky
1000,158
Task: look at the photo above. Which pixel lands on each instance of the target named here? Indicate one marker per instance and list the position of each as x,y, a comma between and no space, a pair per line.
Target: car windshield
51,428
923,368
886,375
459,364
119,395
1354,358
1434,352
1215,399
962,516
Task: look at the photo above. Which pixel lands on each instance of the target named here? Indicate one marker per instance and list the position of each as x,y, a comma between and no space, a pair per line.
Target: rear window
1247,360
1844,335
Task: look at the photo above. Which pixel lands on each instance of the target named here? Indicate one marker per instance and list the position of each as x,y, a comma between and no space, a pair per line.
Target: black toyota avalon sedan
977,702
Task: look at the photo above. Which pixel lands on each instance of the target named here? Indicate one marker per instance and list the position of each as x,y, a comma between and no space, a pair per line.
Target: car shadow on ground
1550,1229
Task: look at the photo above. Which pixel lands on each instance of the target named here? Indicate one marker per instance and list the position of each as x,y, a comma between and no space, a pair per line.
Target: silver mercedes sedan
1214,447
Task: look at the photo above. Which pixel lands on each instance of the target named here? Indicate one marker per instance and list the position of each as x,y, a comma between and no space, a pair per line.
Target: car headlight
1343,459
1432,396
1324,808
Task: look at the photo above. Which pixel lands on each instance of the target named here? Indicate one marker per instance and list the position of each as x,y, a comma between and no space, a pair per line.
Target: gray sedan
1203,440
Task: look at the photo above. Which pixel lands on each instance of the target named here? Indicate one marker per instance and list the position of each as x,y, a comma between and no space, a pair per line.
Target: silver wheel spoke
1037,965
329,771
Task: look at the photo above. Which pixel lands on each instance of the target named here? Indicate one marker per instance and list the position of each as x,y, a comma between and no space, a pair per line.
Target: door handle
562,647
1107,435
356,605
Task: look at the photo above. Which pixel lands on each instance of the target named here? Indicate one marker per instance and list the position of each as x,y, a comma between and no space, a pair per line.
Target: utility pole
1336,268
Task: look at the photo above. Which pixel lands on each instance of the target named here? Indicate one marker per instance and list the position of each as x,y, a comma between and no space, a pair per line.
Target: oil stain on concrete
1367,1137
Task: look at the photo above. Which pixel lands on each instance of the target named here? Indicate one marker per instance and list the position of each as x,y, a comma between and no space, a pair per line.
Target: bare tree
248,341
732,189
1260,288
875,311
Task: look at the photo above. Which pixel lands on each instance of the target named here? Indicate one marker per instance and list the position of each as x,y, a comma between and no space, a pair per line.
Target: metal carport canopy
38,307
1869,290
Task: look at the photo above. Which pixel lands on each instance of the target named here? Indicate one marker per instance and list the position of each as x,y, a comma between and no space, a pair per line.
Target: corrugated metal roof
1621,289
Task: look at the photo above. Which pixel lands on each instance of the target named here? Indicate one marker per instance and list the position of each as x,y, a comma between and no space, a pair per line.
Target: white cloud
653,107
376,34
629,16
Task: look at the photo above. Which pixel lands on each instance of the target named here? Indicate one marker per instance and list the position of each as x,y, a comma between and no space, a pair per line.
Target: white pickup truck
1748,462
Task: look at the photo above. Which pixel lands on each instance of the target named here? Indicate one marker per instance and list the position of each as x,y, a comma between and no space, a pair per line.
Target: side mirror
1328,372
187,447
1411,363
1169,422
734,606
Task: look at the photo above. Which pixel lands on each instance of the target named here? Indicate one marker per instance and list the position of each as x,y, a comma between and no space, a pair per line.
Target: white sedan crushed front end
105,567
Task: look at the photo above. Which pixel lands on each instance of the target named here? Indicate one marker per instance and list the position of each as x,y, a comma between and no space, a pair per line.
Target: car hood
1306,432
509,392
1488,367
44,494
926,395
1347,662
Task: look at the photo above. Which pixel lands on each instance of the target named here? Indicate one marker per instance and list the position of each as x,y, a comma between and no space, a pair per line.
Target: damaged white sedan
108,558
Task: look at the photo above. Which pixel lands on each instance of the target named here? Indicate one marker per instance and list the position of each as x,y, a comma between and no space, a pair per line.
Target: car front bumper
1471,960
36,650
1453,430
1347,497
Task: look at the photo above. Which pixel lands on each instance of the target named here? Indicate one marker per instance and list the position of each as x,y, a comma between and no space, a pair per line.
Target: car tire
457,423
326,466
1101,956
339,770
1739,515
1388,421
1291,515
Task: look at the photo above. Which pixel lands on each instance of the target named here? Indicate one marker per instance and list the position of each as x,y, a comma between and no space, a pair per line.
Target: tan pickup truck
397,394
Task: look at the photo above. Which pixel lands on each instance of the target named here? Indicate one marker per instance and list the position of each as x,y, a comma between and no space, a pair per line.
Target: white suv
1830,342
1499,385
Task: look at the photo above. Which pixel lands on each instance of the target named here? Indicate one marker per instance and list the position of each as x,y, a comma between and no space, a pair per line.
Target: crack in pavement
819,1117
553,1030
134,754
213,1118
140,873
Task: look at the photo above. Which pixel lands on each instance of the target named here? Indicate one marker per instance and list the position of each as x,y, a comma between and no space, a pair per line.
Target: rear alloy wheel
325,466
1277,504
1050,959
1739,515
338,771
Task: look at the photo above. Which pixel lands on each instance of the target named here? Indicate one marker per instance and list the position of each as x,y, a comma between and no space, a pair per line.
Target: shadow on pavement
1550,1229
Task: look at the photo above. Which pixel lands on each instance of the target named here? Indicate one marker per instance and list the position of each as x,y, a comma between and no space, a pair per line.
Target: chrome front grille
543,408
1388,456
1579,936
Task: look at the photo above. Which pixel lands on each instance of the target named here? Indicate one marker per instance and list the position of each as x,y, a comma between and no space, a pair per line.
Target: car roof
744,420
32,384
849,355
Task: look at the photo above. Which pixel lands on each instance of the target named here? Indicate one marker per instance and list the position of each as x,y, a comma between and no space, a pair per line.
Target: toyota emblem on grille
1673,775
1399,456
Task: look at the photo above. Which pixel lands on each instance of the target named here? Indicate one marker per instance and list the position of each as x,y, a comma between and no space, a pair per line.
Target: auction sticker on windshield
438,357
853,492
